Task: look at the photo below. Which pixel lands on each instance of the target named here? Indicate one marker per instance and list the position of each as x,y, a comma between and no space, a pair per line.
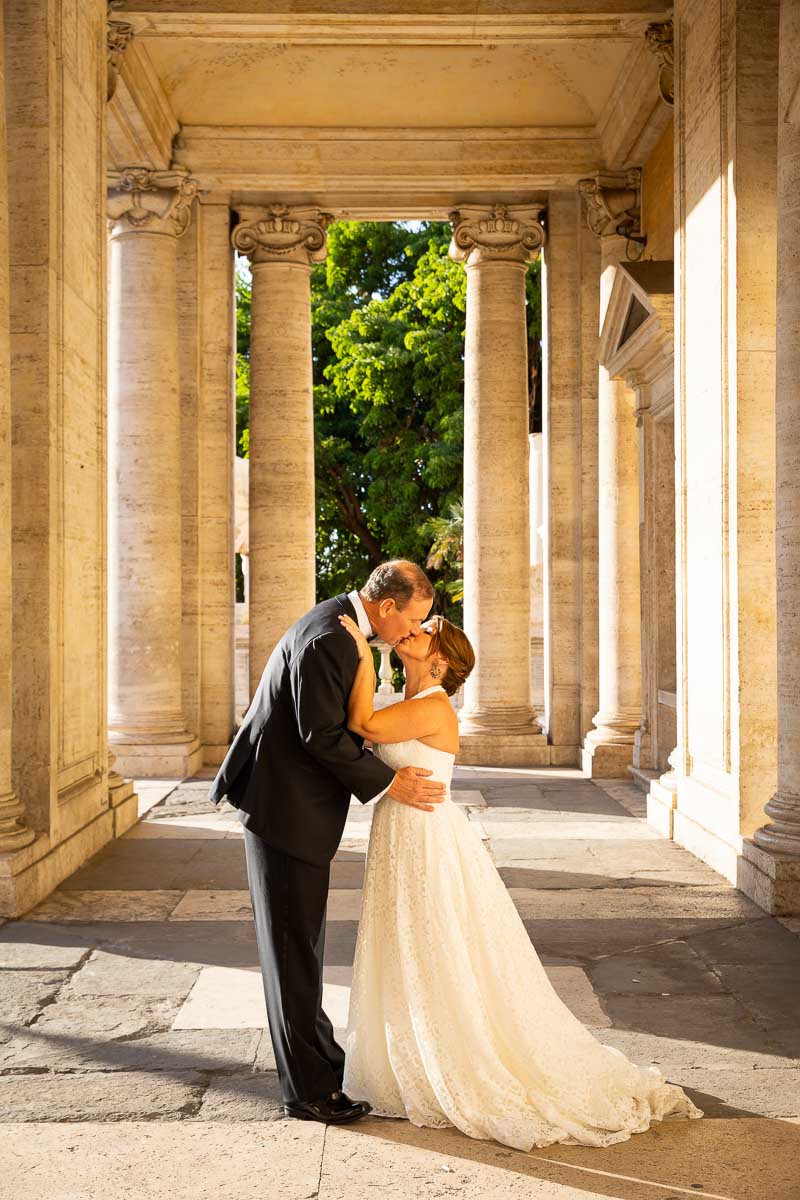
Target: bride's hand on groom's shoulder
362,645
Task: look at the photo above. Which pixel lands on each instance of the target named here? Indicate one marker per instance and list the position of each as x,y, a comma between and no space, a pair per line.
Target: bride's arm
395,723
359,704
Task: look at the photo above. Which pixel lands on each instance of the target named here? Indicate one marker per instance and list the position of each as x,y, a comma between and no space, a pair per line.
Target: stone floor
132,1042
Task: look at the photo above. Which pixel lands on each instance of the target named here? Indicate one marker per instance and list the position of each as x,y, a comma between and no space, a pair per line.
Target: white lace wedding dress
453,1020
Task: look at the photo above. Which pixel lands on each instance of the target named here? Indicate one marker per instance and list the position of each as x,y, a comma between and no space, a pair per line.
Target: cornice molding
142,128
301,165
341,23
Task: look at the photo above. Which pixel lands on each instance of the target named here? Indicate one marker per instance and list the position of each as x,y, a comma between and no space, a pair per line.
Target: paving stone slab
110,974
35,946
672,1053
712,1020
673,967
536,831
762,941
592,939
102,1096
255,1096
347,873
106,905
174,1050
750,1159
633,903
772,997
108,1016
227,905
181,1160
770,1092
23,994
648,859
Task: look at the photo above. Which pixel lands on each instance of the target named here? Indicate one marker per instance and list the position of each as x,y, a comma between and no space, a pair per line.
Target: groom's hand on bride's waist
411,786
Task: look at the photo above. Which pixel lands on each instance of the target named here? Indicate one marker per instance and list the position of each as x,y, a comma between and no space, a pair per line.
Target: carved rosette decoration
613,203
281,234
153,201
118,36
497,234
659,39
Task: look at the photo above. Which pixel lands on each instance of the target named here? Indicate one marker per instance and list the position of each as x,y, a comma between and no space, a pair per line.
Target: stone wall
725,163
55,87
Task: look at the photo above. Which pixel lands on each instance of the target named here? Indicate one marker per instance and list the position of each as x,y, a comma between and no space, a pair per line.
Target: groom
290,771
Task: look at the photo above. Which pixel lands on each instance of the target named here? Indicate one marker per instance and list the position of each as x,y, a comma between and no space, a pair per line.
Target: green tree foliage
388,312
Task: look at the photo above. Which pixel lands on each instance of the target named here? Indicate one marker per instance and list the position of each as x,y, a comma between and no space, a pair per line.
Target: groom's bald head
399,580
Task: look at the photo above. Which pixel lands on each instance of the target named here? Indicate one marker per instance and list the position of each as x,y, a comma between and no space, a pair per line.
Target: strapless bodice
414,753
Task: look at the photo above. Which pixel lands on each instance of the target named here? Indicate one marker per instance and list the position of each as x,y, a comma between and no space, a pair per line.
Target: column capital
613,202
281,234
153,201
496,234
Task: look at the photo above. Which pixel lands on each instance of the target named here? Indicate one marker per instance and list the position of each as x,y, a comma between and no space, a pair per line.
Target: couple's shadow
746,1158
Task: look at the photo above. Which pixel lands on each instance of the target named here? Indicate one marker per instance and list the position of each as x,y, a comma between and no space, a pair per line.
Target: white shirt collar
361,614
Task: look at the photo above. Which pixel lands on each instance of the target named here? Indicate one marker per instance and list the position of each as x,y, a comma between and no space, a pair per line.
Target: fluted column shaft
13,831
148,211
609,747
496,247
282,245
782,835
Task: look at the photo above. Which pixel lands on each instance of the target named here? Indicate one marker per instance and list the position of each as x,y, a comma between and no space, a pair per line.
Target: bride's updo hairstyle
454,645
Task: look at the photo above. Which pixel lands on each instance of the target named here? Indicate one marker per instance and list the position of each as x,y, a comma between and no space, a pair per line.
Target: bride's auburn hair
454,645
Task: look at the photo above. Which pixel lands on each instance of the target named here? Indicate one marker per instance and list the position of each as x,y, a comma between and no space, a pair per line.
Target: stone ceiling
361,105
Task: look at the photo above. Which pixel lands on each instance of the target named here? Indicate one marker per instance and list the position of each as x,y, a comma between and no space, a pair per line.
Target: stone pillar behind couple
290,772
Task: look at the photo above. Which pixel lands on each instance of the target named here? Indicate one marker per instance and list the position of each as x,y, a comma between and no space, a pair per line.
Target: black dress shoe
336,1109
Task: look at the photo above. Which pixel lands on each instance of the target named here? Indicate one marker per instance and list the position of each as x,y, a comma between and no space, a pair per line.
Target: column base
494,749
157,760
606,759
662,800
29,875
771,879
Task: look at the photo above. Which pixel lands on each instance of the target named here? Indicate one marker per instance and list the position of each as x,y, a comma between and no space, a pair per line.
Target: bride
453,1020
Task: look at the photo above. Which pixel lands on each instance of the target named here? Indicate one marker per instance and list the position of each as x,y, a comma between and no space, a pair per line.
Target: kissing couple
452,1021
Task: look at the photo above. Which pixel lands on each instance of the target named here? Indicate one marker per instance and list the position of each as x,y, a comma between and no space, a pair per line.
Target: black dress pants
289,899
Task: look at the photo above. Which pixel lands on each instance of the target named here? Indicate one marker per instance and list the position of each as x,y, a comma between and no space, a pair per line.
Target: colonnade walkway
134,1060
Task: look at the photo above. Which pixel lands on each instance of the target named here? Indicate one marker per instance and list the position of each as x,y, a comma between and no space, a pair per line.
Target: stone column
497,720
608,748
282,245
781,837
13,831
148,211
217,412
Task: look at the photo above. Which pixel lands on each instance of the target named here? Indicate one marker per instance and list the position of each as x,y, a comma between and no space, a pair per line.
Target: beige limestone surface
495,245
725,170
147,722
608,748
782,834
281,245
55,74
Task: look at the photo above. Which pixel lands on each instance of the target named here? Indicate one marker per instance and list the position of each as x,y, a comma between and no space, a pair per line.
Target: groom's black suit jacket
293,764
